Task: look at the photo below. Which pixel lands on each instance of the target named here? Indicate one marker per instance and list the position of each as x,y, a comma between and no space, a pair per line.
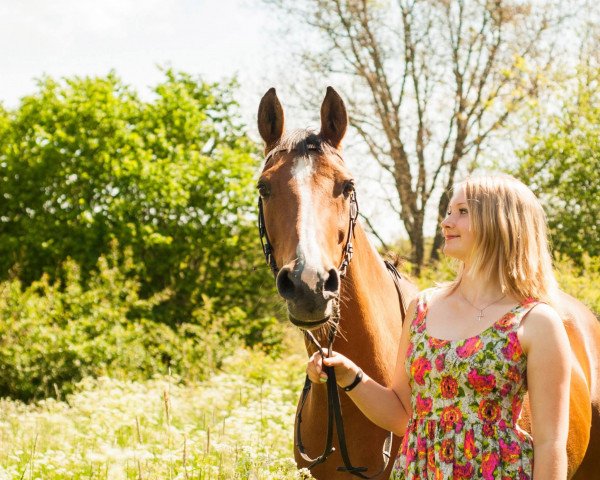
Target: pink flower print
447,450
440,362
506,322
421,447
489,464
451,418
513,374
488,430
489,411
431,429
510,452
470,347
436,343
431,459
423,405
523,475
404,444
481,383
420,367
463,472
411,455
448,386
505,390
516,407
512,350
470,448
419,322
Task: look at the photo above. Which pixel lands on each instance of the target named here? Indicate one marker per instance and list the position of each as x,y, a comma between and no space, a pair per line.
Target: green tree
561,163
84,161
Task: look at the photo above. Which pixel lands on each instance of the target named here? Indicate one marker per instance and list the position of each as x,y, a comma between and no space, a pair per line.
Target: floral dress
466,399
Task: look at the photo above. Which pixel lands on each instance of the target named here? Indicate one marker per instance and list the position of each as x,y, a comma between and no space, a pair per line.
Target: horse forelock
303,142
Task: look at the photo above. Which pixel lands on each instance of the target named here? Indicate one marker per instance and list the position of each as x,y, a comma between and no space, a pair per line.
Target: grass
236,425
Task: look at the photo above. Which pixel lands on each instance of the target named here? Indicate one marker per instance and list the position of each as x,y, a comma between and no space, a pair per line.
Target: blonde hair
511,239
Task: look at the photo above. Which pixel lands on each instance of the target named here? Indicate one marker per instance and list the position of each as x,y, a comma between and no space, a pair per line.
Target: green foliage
581,281
85,161
54,333
562,166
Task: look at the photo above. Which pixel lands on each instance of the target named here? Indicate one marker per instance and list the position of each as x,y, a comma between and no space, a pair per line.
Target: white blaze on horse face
307,252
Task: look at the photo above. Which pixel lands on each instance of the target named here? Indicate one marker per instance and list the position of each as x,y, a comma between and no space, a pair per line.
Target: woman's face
456,227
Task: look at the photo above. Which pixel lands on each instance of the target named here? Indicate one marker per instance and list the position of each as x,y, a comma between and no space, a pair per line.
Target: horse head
307,208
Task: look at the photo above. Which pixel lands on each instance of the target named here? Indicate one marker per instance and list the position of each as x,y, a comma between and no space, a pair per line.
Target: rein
334,408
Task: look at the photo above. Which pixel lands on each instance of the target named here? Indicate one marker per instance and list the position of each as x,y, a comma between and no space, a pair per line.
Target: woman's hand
345,369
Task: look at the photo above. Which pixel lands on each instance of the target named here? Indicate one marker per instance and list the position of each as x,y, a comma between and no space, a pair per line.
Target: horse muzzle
309,295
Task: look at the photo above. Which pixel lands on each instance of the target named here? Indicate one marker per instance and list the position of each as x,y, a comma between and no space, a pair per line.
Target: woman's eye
463,211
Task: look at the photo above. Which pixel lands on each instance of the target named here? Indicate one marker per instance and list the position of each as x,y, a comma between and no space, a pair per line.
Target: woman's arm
545,342
384,406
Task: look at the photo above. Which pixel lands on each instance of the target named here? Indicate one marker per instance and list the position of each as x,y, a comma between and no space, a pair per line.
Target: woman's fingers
345,368
315,368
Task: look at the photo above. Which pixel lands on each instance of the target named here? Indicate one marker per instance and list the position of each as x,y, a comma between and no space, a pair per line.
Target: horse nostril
285,285
332,284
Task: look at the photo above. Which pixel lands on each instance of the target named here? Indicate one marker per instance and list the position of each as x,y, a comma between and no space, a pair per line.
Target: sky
212,38
215,39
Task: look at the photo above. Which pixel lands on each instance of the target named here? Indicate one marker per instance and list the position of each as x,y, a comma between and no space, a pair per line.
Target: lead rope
334,415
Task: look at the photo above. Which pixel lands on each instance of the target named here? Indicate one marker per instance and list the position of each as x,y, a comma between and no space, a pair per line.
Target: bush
56,332
84,161
581,281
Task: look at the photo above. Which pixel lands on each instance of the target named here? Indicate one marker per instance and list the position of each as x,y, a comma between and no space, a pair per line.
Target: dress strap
422,307
523,309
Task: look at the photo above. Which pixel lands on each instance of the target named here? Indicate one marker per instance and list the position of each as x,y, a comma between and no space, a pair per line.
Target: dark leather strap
397,278
334,407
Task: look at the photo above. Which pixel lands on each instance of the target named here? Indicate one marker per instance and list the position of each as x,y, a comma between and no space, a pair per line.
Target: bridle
267,248
334,409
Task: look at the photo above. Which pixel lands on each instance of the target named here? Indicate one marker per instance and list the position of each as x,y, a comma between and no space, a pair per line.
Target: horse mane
303,141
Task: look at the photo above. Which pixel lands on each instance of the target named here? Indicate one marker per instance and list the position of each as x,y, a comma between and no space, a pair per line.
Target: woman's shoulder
540,316
541,323
433,294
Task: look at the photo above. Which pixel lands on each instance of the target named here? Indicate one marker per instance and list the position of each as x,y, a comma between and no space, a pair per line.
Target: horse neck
370,318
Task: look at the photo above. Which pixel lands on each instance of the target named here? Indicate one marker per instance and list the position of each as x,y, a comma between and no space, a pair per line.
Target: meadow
235,425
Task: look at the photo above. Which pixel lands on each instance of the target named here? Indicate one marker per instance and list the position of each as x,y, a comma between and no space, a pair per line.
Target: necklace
480,310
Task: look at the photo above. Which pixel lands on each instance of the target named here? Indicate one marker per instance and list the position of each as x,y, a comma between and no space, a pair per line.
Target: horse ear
334,119
270,119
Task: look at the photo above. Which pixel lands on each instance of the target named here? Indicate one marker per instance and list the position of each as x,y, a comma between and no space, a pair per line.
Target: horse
583,443
306,202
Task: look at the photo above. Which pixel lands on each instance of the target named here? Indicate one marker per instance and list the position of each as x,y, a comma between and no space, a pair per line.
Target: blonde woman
471,349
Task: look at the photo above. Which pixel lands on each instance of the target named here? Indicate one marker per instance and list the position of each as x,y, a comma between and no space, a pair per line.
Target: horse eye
263,190
348,187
